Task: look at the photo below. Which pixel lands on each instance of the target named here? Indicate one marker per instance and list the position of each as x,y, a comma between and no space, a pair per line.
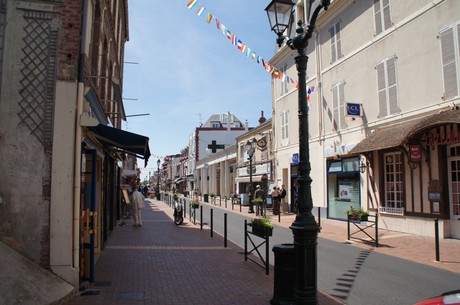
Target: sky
181,70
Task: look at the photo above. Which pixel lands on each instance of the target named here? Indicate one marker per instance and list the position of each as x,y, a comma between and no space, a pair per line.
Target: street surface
351,274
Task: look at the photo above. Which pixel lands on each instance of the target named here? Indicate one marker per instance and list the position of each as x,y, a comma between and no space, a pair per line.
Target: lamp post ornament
304,228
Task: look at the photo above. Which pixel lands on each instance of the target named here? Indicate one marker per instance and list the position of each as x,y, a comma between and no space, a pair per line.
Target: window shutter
342,109
335,107
381,85
392,85
333,52
386,14
286,124
449,65
377,17
338,42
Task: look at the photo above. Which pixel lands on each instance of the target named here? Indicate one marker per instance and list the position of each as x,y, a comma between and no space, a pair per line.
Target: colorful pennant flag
244,48
200,11
191,4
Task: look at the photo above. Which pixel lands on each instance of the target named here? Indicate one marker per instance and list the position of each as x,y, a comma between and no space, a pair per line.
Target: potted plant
195,204
257,201
358,214
262,226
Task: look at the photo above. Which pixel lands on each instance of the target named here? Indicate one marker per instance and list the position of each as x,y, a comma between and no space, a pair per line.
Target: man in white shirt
138,203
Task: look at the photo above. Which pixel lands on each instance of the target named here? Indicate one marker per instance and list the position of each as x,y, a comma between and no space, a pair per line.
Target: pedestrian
138,203
276,201
259,193
283,199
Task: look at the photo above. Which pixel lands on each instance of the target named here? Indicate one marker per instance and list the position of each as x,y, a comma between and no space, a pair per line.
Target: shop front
412,174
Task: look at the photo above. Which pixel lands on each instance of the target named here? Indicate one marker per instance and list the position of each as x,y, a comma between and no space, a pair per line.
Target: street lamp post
250,149
185,178
158,180
304,228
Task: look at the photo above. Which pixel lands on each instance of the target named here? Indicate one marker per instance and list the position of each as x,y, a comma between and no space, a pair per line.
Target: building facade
61,149
383,86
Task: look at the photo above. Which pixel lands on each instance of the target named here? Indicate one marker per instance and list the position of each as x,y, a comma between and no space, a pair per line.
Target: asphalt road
354,275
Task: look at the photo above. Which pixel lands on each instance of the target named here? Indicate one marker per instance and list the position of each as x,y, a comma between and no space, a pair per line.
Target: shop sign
445,135
354,109
415,153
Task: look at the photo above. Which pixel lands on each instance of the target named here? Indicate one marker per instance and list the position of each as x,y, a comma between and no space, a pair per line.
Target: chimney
262,118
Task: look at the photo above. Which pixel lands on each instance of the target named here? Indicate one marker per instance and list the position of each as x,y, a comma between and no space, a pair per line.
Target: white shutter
381,86
333,49
392,85
377,17
386,14
338,39
342,107
449,65
335,107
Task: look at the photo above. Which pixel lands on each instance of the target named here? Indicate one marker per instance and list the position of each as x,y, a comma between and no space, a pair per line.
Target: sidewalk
161,263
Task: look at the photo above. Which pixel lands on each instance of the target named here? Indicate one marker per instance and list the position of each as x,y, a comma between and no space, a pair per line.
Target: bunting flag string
243,47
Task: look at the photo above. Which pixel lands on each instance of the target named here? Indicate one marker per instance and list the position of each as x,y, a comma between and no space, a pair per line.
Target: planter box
262,231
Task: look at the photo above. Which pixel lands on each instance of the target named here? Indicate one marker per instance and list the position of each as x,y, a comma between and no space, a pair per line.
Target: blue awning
124,141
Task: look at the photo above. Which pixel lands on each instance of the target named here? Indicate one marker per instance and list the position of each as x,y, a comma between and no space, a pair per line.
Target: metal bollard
201,217
436,236
225,230
212,223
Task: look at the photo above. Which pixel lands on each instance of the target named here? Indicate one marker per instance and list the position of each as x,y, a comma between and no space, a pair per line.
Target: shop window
343,187
393,202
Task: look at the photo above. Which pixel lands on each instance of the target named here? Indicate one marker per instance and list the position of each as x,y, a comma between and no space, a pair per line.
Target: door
454,195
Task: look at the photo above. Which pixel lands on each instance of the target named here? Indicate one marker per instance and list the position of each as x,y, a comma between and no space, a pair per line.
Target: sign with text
354,109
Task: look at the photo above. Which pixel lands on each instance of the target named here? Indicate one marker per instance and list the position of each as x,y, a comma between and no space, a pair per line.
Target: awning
124,141
399,134
247,179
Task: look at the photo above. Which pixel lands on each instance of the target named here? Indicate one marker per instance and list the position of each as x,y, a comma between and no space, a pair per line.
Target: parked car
448,298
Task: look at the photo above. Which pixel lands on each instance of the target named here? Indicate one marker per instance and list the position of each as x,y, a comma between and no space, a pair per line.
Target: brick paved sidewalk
161,263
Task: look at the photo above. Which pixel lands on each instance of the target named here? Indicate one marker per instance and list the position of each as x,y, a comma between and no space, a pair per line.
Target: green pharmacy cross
214,146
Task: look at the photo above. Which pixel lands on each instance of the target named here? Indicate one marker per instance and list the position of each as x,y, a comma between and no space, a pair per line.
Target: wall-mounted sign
295,158
415,153
354,109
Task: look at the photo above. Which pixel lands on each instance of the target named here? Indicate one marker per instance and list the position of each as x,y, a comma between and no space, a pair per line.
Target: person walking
138,203
259,193
276,201
283,199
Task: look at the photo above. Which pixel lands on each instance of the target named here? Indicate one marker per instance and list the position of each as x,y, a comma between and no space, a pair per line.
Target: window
284,127
338,98
336,42
387,87
382,15
283,82
450,52
394,185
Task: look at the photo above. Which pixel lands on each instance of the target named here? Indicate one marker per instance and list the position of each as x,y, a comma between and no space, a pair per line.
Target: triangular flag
233,39
191,4
209,18
217,23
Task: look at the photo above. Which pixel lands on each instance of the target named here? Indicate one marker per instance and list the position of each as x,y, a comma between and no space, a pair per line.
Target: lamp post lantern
304,228
250,149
